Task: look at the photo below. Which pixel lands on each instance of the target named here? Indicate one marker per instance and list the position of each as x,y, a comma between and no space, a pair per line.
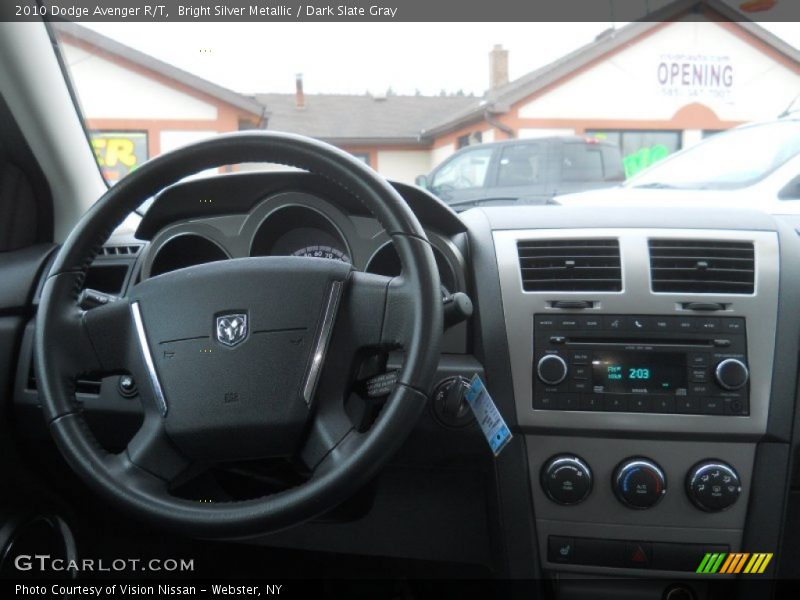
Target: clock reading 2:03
628,372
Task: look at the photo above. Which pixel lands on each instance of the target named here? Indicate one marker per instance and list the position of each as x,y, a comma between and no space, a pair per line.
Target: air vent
120,250
590,265
702,266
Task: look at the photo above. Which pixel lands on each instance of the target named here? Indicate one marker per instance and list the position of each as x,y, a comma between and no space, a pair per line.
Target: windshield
730,160
503,113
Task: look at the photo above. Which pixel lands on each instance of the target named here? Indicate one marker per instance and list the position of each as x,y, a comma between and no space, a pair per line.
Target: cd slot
701,343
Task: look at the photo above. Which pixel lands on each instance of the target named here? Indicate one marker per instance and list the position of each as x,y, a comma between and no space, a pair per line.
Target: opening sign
696,76
119,152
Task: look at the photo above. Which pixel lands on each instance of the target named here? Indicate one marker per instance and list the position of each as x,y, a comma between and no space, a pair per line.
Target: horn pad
233,360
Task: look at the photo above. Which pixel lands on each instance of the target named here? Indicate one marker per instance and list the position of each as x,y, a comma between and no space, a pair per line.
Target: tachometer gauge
322,252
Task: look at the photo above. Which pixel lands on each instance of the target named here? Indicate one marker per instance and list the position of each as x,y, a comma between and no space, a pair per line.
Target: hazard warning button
638,555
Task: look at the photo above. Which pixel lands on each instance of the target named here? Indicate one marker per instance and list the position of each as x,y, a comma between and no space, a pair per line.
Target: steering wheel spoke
151,450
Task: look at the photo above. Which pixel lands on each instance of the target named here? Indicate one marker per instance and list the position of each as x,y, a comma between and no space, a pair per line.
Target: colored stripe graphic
731,558
765,562
704,563
734,563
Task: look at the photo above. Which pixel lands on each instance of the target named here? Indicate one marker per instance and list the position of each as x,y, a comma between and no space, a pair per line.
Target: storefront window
119,152
640,149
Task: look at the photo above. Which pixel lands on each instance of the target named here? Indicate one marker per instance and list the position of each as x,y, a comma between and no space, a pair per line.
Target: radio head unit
641,363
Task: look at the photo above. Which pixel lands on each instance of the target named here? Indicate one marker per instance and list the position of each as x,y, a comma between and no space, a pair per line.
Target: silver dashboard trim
321,343
760,309
148,358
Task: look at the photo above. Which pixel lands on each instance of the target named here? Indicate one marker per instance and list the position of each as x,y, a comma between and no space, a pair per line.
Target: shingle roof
146,61
499,100
360,118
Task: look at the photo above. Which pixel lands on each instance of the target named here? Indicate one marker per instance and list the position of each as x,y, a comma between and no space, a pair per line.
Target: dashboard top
239,193
621,217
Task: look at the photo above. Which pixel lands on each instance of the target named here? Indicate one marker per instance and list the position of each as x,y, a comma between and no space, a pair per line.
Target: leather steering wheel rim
70,341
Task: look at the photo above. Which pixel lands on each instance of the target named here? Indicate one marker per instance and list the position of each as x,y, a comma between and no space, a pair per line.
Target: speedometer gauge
322,252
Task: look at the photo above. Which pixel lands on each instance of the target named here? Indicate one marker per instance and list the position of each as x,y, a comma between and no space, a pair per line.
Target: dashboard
645,362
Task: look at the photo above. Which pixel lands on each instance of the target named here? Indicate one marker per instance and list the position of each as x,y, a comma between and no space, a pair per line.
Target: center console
641,362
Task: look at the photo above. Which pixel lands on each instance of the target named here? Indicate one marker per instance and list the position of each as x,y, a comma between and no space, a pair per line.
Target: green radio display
623,372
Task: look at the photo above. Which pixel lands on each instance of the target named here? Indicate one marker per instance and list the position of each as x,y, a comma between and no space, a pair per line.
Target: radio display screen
616,372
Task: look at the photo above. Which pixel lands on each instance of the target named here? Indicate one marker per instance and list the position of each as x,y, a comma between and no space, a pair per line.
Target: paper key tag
489,418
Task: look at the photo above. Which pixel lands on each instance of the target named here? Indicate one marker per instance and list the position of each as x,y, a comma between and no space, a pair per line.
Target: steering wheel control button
639,483
127,386
566,479
551,369
731,374
713,485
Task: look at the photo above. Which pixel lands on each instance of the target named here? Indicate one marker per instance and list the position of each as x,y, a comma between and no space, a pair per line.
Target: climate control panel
640,483
641,363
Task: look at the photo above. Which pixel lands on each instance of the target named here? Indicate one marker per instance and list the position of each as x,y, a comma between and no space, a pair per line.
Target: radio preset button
567,402
663,404
688,405
639,404
615,403
590,402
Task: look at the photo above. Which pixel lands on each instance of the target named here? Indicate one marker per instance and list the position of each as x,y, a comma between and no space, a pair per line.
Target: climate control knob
731,374
552,369
566,479
713,485
639,483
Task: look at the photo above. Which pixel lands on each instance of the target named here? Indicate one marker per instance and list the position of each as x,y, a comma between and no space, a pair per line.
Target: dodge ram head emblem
231,329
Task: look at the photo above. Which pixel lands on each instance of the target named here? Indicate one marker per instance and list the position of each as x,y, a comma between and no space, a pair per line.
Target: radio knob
639,483
713,485
552,369
566,479
731,374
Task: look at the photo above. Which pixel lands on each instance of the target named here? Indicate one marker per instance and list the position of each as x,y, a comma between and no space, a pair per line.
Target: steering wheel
240,359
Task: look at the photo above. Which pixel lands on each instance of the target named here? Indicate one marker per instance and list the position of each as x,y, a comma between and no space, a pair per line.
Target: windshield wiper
508,200
655,185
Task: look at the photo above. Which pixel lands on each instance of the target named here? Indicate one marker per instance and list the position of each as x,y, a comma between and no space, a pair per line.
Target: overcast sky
360,57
